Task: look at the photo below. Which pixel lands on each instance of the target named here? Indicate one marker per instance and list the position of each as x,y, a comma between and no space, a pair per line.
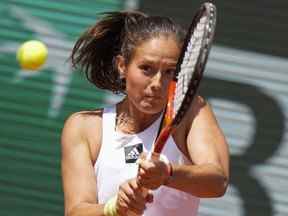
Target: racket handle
161,140
169,113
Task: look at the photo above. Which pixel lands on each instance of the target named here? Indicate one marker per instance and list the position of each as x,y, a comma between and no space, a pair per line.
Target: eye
170,72
147,69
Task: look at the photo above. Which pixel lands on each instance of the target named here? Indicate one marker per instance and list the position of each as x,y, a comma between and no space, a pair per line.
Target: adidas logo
133,152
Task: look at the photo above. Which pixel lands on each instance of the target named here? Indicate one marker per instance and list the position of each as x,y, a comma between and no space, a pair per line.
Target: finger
142,172
122,202
140,192
143,156
137,188
127,190
128,201
138,205
150,173
152,183
144,181
128,194
137,211
138,201
151,168
144,177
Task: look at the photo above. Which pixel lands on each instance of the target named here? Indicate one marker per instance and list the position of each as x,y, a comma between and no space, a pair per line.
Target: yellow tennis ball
32,54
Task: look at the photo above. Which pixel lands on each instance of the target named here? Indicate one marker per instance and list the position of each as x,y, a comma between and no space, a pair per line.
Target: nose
156,82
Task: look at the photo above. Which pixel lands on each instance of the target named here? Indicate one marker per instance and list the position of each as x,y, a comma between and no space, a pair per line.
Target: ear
121,66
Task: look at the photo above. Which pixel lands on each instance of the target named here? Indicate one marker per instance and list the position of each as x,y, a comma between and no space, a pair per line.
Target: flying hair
117,33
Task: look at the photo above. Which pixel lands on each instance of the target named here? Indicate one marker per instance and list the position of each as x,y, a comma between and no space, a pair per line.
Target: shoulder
81,121
83,128
198,106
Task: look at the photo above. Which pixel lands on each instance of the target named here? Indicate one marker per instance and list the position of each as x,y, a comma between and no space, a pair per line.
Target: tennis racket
189,72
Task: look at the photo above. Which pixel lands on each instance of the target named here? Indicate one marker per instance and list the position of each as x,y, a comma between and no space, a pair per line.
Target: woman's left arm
208,174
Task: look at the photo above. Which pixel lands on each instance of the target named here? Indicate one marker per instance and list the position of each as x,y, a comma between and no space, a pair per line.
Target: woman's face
149,72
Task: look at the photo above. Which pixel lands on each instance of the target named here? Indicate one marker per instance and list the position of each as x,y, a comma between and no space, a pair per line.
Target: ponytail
96,50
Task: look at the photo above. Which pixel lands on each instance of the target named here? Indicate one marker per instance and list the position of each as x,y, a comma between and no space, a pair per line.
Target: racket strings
189,62
189,71
195,56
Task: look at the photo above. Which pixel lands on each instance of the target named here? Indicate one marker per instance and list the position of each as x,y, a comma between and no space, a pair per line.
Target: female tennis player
104,152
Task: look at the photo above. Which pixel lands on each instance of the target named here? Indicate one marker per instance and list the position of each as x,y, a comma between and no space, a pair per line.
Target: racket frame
170,119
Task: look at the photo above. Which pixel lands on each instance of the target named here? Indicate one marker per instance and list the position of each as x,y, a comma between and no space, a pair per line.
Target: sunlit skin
147,77
198,137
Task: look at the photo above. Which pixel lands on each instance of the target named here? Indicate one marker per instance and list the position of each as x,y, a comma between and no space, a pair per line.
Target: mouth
154,97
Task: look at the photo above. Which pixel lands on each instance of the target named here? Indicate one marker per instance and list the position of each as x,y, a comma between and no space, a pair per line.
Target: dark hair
117,33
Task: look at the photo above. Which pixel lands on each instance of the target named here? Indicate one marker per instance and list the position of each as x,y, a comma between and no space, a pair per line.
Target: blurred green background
245,82
34,105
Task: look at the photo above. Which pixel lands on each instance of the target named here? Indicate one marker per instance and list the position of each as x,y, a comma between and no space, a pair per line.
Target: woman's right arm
78,177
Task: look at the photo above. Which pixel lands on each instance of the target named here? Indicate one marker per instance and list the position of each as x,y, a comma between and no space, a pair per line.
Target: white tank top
116,163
